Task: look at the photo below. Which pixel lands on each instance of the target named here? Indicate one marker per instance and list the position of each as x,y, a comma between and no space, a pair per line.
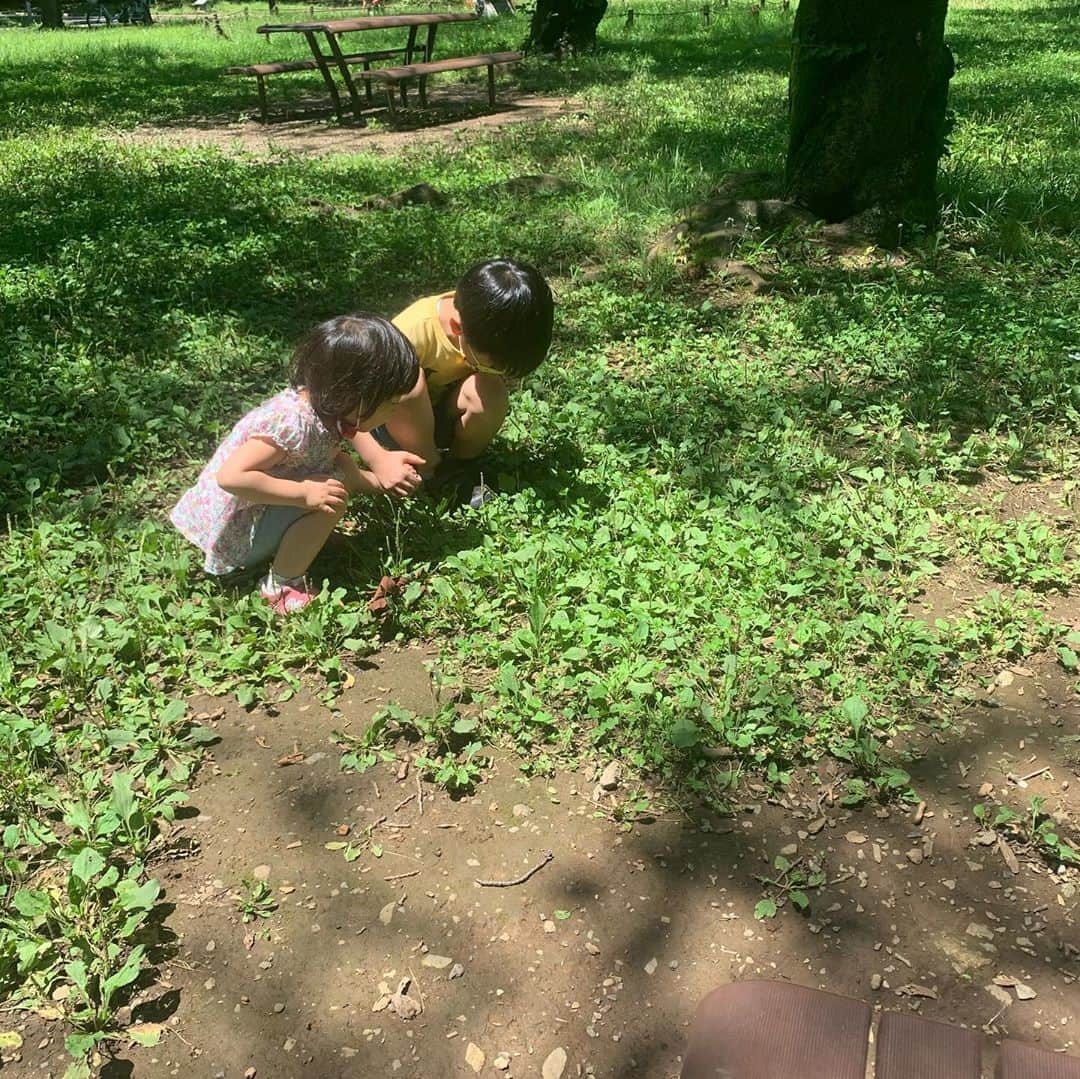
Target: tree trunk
867,96
51,16
560,23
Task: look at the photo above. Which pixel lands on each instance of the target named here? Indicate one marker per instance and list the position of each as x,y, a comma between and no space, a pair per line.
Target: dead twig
404,802
419,795
548,856
402,876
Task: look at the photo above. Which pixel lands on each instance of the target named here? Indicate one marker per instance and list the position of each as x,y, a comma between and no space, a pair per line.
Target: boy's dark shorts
445,422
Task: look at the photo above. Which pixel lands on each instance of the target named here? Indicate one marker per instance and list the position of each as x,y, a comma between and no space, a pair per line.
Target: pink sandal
288,599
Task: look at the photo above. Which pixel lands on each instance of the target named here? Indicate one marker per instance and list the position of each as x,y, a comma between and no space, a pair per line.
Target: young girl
279,483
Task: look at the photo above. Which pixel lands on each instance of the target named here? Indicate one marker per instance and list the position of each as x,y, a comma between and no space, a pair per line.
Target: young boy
496,325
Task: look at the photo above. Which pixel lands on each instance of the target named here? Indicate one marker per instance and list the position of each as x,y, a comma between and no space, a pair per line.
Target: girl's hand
398,472
324,493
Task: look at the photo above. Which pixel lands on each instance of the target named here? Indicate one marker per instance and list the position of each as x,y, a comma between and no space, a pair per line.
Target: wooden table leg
367,82
343,67
410,47
430,47
324,68
491,85
262,99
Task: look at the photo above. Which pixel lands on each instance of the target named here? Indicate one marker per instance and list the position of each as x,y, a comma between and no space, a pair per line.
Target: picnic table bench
774,1030
418,63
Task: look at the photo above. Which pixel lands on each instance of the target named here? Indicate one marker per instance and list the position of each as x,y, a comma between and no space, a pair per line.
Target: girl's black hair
507,312
353,361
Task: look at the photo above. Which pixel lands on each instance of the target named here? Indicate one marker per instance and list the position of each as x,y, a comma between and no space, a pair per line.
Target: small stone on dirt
1024,992
815,826
875,982
456,971
977,929
501,1062
521,810
211,945
1000,995
986,790
915,856
591,948
555,1064
650,966
438,962
855,837
261,872
279,1008
387,913
610,776
474,1057
249,1073
790,850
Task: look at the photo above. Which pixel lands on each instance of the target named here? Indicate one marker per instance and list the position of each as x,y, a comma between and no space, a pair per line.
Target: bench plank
398,76
908,1045
1019,1061
773,1030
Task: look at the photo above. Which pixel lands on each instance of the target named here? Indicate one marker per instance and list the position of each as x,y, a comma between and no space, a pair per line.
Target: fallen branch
548,856
402,876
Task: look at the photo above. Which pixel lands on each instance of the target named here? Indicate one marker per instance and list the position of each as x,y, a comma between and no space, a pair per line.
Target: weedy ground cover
713,514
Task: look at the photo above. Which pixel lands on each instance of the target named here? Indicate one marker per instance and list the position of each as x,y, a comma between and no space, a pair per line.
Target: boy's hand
398,471
324,493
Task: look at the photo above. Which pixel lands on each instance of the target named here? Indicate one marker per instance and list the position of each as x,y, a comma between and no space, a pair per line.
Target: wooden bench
775,1030
279,67
400,76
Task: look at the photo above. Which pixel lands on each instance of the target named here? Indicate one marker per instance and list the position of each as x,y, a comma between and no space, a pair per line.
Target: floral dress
223,525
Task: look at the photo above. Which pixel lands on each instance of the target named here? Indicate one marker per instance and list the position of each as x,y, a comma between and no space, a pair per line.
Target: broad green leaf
123,797
87,863
766,908
31,902
685,733
466,725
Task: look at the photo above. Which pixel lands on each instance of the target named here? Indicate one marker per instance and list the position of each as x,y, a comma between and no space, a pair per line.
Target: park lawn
715,509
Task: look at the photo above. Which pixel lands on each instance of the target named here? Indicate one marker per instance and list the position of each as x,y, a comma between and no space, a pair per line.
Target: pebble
609,777
456,971
591,948
279,1008
211,945
790,850
438,962
555,1064
875,982
815,826
855,838
650,966
474,1057
260,872
521,810
501,1062
387,912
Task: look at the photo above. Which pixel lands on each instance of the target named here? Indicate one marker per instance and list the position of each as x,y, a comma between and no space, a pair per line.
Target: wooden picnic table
333,29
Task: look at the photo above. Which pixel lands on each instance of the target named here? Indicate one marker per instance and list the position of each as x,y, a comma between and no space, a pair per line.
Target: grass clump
714,514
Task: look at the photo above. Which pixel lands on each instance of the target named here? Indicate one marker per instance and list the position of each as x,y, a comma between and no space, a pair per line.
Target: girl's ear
455,324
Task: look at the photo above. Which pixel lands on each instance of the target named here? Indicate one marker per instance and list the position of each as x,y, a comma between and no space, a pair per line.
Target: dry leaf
1008,856
296,757
249,940
917,991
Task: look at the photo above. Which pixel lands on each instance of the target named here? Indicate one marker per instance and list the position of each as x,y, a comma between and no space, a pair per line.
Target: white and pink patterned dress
223,525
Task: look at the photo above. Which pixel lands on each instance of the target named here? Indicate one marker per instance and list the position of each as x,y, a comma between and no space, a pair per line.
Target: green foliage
1035,829
713,515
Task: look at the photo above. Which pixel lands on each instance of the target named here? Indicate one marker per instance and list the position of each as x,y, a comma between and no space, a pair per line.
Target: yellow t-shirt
443,362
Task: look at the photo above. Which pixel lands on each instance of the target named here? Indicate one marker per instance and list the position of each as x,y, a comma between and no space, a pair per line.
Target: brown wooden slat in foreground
773,1030
908,1046
1019,1061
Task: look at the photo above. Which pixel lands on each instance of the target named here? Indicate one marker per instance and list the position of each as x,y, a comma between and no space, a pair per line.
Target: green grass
714,514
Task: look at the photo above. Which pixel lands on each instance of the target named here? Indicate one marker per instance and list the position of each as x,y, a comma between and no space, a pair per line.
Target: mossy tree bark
558,23
867,96
51,16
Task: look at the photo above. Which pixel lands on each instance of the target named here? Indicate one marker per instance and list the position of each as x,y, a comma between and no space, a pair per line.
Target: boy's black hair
353,361
506,311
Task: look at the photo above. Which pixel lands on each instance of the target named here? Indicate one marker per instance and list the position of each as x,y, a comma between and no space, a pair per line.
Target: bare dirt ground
454,113
605,951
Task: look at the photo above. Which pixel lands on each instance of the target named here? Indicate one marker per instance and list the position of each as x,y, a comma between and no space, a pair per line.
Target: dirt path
651,915
308,130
